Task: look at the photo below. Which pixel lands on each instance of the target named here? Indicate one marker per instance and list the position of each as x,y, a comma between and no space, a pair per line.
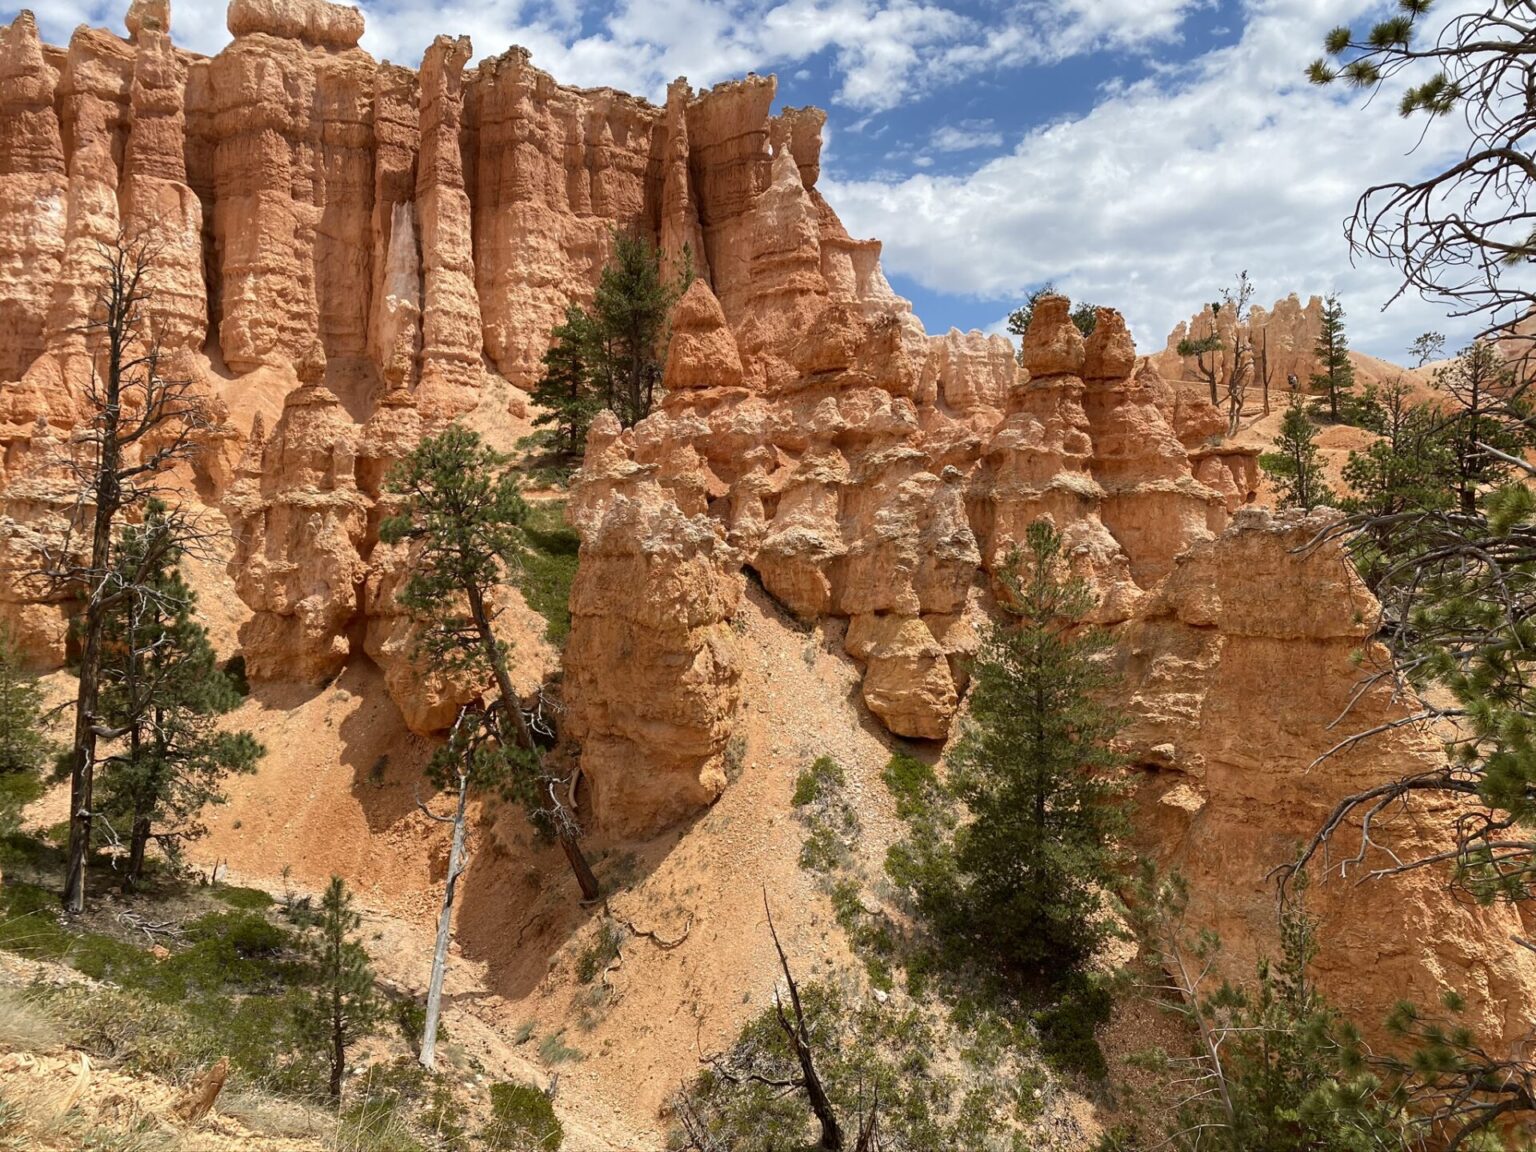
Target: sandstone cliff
356,253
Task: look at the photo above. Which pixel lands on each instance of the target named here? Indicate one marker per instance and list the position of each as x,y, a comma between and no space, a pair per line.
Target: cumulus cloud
886,52
966,136
1158,196
1151,200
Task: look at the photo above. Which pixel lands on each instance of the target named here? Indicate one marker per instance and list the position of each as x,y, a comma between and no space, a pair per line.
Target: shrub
818,782
246,899
601,952
1068,1027
522,1118
553,1049
831,823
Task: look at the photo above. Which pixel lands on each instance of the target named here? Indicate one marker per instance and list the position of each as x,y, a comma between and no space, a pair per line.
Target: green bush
601,952
549,567
18,850
831,823
1068,1027
522,1120
818,782
246,899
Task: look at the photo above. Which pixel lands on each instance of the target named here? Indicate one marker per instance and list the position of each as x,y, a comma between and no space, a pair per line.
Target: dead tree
468,735
799,1037
1261,365
140,422
806,1080
1229,370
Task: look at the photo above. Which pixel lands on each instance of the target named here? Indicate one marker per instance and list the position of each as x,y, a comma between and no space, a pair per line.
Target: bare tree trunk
108,499
511,709
799,1035
136,849
444,928
338,1047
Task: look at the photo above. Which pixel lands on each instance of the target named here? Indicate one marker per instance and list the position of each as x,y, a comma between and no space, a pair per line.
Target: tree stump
198,1100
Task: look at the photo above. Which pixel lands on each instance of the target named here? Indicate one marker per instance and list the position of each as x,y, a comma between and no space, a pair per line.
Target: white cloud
966,136
1159,195
886,52
1150,201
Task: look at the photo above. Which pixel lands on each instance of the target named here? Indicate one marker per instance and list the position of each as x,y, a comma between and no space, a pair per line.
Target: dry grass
269,1115
44,1118
25,1026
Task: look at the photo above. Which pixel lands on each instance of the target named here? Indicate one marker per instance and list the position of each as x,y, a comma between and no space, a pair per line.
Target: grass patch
549,567
246,899
554,1050
601,952
20,852
232,988
521,1118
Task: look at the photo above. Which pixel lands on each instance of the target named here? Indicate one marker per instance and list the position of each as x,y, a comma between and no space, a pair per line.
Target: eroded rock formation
1286,335
355,253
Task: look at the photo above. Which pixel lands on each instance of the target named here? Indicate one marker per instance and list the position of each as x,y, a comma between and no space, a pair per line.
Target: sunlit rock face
352,253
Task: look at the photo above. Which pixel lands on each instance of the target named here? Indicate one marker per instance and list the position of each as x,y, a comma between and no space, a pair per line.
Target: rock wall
1234,670
1287,333
355,253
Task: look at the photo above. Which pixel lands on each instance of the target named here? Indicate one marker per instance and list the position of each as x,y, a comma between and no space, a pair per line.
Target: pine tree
1294,463
1489,412
1426,346
1410,468
567,392
611,354
345,1005
1337,376
627,344
138,421
163,690
460,505
1275,1068
23,746
1024,879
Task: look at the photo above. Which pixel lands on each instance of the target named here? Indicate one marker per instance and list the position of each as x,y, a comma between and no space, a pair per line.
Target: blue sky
1139,153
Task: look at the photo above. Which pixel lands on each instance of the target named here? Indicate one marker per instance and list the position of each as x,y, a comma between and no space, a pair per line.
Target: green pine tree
1025,877
345,1006
1294,464
567,392
627,346
1410,468
1336,378
459,504
24,747
1489,411
1275,1067
163,690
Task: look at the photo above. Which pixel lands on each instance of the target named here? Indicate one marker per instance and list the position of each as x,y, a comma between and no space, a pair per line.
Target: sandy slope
337,793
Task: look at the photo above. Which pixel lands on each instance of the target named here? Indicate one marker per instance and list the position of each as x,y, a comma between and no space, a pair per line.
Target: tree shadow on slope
386,760
519,903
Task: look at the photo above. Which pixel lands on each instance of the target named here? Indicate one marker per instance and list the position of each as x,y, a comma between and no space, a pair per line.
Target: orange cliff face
356,253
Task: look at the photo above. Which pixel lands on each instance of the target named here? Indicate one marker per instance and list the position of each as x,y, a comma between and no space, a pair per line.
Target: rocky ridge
356,253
